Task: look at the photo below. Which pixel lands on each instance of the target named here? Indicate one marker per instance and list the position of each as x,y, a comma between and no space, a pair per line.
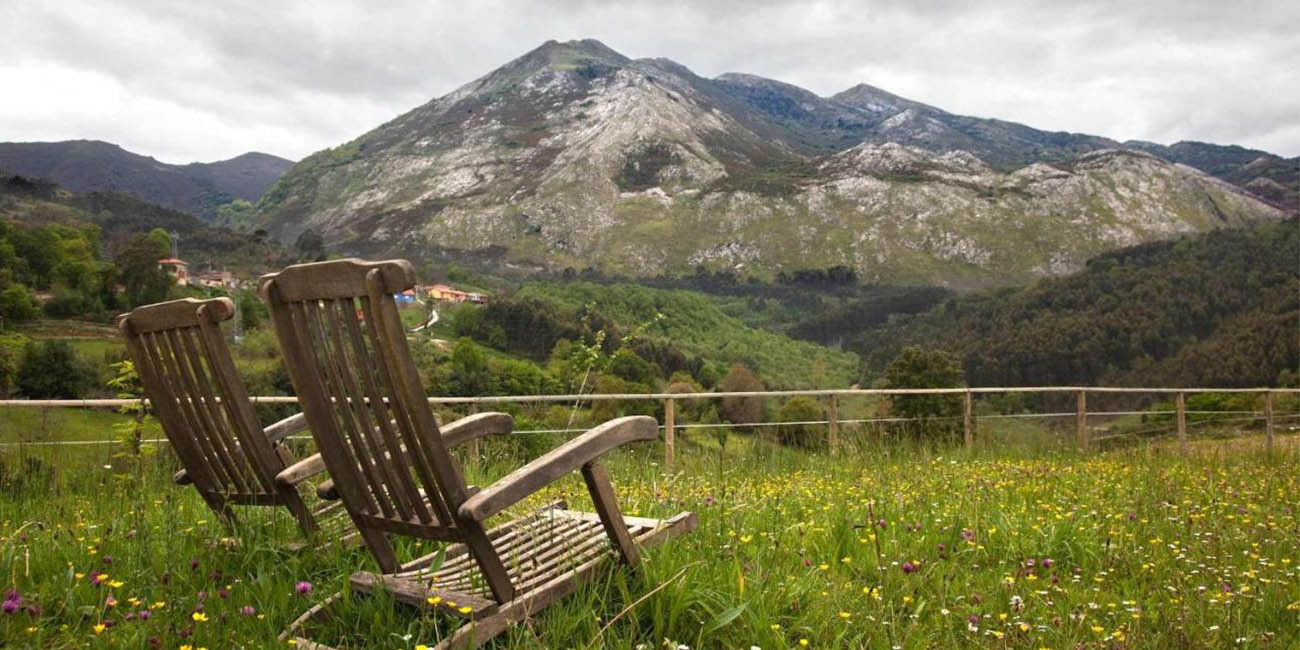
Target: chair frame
346,352
190,381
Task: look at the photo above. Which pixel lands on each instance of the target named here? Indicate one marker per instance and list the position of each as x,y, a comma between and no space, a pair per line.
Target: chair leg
293,501
606,502
380,546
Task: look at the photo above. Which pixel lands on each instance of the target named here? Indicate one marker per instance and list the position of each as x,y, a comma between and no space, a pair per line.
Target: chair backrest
191,382
345,349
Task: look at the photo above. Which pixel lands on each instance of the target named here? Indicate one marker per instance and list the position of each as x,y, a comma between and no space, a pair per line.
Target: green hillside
1219,309
695,324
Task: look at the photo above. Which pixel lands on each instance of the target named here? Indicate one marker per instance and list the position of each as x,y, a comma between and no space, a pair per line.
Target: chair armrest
286,427
301,470
182,478
326,490
544,470
476,426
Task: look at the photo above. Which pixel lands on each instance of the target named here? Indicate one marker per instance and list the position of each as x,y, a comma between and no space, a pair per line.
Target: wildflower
110,601
145,614
909,567
199,617
10,606
303,588
99,628
1047,563
247,610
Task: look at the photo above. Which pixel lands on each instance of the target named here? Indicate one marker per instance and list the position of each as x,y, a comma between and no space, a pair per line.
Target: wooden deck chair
347,355
190,380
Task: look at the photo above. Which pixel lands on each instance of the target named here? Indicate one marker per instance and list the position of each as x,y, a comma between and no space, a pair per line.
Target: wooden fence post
1081,421
968,426
1181,405
1268,420
833,425
473,444
669,425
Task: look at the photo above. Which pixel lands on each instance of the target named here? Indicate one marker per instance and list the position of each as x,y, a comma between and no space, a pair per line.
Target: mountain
94,166
574,155
1218,309
35,201
1266,175
865,113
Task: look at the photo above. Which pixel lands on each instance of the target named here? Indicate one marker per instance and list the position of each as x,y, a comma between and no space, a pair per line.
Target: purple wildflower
10,606
247,610
303,588
908,567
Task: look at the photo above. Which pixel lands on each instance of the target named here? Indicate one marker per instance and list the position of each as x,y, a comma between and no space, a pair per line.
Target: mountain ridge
195,188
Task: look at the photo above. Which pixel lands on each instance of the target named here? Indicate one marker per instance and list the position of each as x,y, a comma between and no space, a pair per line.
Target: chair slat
199,399
364,432
185,407
164,403
266,460
406,426
358,456
378,407
214,405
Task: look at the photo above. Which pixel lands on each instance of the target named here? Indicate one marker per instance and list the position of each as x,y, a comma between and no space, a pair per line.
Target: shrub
17,304
800,408
741,410
51,369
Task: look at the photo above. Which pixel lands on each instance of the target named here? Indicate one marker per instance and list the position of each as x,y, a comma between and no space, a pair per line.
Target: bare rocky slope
575,156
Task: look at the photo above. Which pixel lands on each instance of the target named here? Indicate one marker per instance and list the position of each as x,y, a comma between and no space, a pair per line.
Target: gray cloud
204,80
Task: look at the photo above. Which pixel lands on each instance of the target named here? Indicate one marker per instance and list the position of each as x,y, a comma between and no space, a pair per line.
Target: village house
444,293
218,280
177,268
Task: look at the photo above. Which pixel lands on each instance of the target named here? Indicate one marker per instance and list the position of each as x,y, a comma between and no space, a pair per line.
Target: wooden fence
831,397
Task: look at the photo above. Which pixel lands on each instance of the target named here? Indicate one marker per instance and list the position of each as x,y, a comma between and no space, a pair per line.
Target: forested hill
120,217
1220,309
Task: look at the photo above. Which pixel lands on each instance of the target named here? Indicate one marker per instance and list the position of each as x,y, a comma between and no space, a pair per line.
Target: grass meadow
880,546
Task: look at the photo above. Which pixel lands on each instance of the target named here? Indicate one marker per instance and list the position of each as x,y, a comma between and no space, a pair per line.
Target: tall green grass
884,545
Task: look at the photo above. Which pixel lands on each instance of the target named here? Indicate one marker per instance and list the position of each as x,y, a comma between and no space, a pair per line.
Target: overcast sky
206,80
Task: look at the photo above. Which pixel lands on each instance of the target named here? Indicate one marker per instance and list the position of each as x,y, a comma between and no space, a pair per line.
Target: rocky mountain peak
574,155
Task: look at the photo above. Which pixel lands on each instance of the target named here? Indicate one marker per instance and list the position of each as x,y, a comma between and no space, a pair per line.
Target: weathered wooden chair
190,380
347,355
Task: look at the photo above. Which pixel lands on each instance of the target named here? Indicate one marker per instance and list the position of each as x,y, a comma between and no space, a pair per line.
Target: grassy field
879,547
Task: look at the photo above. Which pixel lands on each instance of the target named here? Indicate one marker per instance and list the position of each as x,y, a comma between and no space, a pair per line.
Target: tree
470,374
916,367
162,240
251,310
139,273
310,245
51,369
741,410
